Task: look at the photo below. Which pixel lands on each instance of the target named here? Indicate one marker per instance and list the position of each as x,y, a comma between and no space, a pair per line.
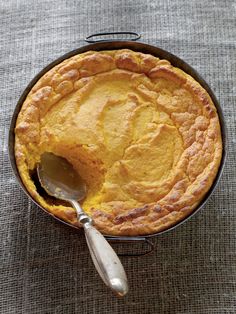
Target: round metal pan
136,46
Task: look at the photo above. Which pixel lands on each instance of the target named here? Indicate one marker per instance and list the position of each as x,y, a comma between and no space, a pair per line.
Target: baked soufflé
144,135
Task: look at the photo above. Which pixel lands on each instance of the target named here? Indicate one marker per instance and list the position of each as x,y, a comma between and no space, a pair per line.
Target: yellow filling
121,143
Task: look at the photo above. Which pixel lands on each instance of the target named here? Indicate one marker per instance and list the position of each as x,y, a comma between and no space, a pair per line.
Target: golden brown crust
144,135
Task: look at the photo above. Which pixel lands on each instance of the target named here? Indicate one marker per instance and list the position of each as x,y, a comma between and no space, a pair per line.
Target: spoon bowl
59,179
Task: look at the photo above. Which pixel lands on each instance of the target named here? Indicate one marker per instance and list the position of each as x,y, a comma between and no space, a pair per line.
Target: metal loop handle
90,40
117,240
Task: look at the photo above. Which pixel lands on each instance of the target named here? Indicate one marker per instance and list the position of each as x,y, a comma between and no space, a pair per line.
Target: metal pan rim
136,46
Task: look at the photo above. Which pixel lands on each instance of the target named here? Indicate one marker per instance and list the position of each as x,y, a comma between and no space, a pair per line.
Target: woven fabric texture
45,267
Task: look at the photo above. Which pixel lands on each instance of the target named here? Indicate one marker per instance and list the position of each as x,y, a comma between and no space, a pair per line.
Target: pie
144,135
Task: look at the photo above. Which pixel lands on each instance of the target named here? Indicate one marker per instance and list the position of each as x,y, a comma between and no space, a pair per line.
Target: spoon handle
105,259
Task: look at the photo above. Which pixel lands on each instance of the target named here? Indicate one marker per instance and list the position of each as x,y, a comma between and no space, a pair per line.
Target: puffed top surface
144,135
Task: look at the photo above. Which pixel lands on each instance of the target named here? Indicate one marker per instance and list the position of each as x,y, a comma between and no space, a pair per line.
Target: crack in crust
143,134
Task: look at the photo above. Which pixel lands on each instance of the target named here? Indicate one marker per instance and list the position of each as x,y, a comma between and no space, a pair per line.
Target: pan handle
150,245
92,38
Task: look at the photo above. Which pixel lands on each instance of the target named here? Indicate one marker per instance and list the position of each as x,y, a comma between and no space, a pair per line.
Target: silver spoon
59,179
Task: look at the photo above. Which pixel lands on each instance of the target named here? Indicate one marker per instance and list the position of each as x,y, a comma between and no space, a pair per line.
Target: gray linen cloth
45,266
